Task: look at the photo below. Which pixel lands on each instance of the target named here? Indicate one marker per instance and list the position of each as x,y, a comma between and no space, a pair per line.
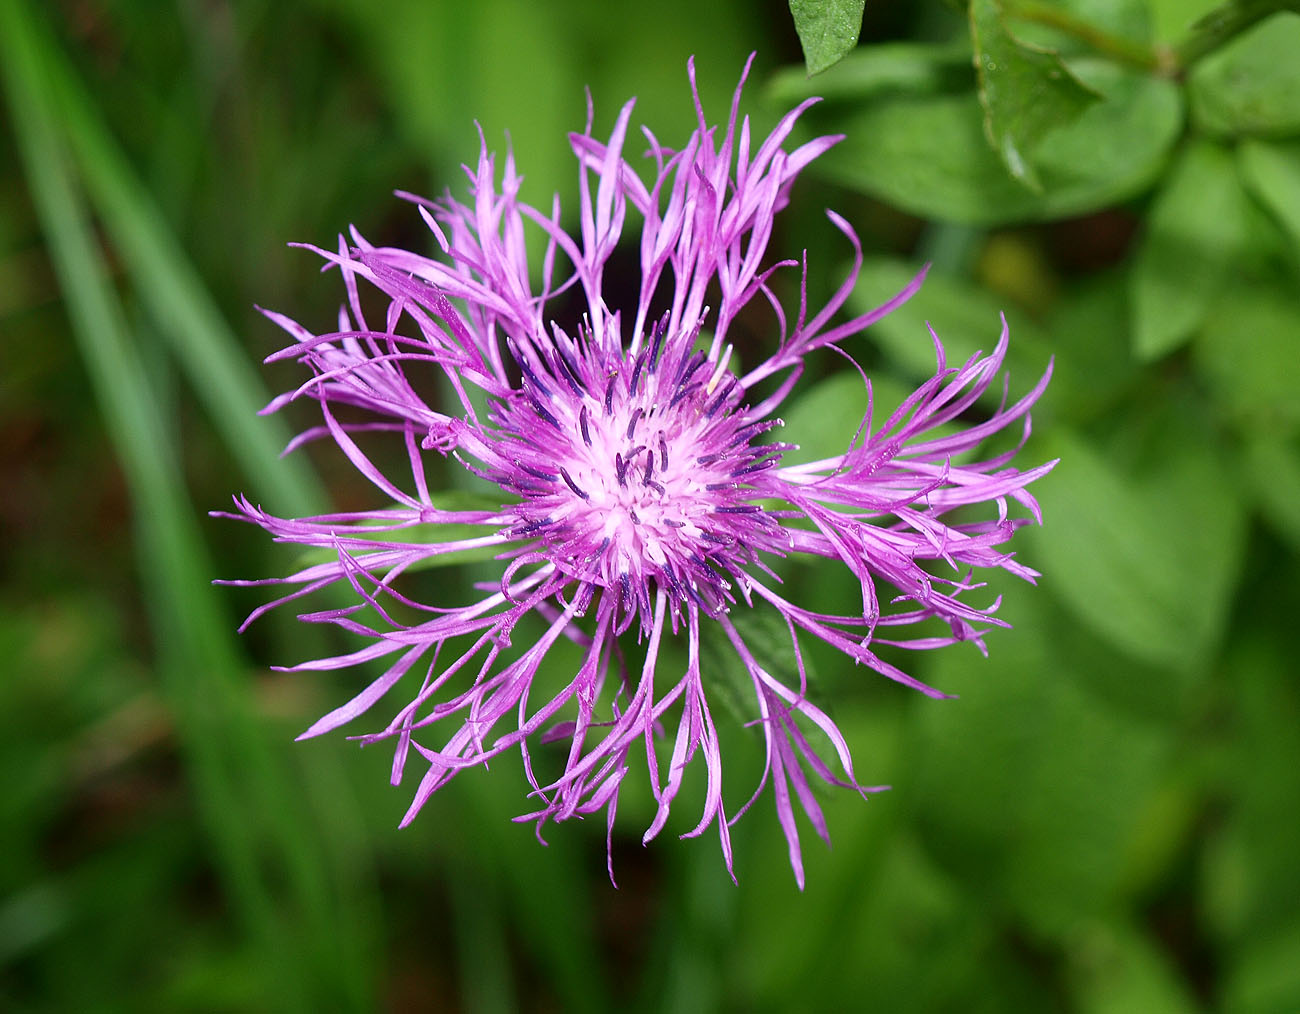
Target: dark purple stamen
682,392
582,422
759,466
631,426
537,472
740,508
747,433
649,467
659,330
675,586
620,468
519,359
636,370
565,372
721,399
674,524
663,453
692,363
541,410
568,480
525,486
609,395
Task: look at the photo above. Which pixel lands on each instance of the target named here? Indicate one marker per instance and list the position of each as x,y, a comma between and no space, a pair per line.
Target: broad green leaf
767,637
1248,353
1171,20
914,68
1252,84
1089,328
1265,975
965,317
1146,556
920,940
1194,233
826,416
1271,171
1119,969
1251,877
1272,469
1026,91
926,153
827,29
1028,787
779,953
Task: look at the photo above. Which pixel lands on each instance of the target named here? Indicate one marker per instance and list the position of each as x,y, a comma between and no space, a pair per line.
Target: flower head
639,490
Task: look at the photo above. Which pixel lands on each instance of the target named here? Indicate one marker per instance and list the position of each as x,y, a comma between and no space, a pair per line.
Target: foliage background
1105,820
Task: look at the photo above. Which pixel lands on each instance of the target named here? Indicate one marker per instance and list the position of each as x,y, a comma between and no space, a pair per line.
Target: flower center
631,470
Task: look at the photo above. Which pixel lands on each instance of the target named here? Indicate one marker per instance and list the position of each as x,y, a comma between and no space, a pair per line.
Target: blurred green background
1105,820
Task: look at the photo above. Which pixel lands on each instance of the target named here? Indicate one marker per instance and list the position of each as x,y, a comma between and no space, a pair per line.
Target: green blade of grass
263,841
170,288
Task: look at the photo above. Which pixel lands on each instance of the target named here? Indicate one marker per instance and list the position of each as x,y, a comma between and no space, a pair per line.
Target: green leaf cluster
1122,179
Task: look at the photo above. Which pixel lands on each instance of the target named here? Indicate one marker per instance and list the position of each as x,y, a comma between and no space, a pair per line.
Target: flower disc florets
636,480
635,471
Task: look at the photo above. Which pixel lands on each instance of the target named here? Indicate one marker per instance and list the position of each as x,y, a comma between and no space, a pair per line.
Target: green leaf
1265,975
1194,233
1028,787
1026,92
1147,556
926,153
1119,969
768,638
965,317
1251,85
1251,873
827,29
915,68
1096,372
1271,172
826,416
1171,20
1272,470
1247,354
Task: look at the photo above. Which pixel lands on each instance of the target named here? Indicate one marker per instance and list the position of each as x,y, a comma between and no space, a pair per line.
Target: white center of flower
644,472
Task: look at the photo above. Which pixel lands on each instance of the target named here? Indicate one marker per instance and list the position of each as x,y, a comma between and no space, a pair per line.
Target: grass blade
264,846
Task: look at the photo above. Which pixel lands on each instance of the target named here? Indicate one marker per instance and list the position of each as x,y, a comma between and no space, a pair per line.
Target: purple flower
639,494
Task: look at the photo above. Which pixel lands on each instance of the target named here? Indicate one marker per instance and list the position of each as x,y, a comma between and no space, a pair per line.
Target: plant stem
1107,43
1222,24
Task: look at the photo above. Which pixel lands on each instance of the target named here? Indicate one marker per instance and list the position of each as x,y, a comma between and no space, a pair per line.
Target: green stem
1208,34
1222,24
1108,44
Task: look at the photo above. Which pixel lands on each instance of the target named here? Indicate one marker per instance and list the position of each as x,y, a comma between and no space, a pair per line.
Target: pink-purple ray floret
642,490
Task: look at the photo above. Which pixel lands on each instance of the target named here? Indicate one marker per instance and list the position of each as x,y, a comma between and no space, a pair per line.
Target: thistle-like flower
639,493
